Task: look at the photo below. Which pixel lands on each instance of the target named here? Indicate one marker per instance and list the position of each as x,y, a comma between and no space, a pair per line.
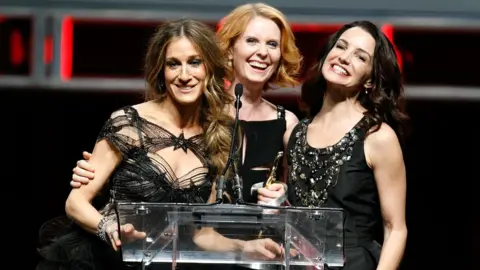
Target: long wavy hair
385,101
214,116
233,26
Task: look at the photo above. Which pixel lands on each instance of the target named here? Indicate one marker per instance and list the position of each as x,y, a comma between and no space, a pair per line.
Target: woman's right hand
83,173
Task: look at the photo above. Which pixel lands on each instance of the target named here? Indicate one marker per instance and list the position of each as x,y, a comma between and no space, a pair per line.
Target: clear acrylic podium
314,236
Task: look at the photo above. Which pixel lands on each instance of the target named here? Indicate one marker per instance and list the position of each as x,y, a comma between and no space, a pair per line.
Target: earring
161,87
229,63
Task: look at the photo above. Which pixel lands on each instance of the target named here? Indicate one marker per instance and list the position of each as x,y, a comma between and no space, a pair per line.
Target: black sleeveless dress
142,176
264,139
338,176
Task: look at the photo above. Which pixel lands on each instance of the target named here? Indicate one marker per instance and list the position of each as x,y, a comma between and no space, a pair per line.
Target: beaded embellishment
314,170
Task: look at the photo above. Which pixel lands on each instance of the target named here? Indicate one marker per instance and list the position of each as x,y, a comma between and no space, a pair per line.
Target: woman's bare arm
78,206
292,122
385,157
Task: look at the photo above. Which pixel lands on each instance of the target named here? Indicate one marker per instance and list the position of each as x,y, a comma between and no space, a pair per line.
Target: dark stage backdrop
52,128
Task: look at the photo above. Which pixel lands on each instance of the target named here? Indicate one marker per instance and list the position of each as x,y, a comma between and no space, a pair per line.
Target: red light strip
66,48
48,50
17,51
388,30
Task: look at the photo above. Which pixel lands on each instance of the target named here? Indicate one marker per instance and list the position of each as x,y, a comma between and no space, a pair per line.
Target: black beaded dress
338,176
142,176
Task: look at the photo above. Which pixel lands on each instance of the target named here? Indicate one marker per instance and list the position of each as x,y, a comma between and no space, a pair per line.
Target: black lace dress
142,176
338,176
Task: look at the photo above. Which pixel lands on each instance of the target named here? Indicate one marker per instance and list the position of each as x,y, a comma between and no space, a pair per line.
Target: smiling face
349,63
256,53
185,72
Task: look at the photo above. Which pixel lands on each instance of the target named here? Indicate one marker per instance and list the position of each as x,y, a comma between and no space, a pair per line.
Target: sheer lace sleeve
122,131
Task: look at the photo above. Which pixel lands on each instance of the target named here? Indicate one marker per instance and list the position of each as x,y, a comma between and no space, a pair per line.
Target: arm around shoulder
116,137
78,206
385,157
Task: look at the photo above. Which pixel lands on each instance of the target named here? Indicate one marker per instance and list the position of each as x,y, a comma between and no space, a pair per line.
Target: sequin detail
314,170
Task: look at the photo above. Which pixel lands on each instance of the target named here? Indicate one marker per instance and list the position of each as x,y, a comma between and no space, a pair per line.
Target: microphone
238,185
238,102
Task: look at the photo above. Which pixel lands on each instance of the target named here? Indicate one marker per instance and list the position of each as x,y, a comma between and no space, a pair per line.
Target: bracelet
102,227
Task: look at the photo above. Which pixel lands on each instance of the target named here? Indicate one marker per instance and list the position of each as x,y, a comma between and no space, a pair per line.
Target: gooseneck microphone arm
231,160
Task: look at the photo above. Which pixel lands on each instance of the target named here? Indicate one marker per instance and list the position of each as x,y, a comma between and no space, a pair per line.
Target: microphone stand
231,161
237,180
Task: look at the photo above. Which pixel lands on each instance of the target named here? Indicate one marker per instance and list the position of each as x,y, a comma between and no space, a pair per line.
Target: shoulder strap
280,112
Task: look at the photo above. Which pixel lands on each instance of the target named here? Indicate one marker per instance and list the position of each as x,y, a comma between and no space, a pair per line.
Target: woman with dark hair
156,151
348,154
